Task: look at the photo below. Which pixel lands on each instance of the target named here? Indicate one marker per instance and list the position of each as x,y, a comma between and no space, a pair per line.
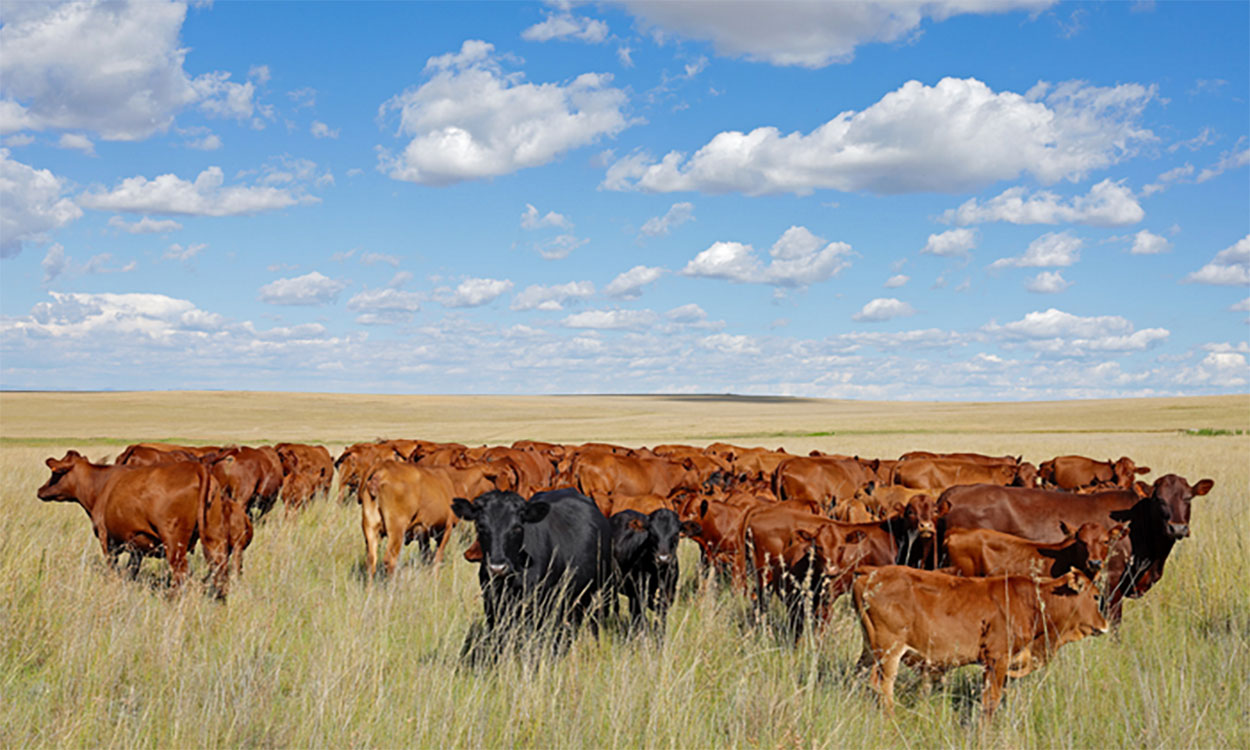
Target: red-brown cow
149,511
600,474
312,460
936,622
1077,473
1157,515
403,502
940,473
985,552
827,480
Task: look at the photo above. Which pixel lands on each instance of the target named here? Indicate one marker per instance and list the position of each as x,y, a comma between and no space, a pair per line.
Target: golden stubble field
306,653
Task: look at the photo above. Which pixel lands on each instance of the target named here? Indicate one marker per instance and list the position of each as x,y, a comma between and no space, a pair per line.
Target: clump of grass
1213,432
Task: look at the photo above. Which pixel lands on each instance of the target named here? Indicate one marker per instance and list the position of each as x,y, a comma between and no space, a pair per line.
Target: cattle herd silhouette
950,558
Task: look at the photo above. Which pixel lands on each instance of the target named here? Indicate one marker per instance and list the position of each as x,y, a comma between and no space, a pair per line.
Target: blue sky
967,200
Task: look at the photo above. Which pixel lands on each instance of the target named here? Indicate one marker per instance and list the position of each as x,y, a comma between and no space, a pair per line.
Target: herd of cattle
951,559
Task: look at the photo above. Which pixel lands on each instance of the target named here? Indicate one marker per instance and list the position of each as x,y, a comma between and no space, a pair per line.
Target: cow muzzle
1178,530
664,558
1095,565
496,569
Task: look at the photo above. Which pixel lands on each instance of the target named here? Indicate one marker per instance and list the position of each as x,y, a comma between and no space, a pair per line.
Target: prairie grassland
307,653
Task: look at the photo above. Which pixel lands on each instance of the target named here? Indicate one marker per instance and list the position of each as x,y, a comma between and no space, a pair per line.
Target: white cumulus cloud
798,259
565,26
1107,204
145,225
474,292
883,308
553,297
30,205
612,319
113,68
1230,267
471,120
531,218
955,136
310,289
1064,334
320,130
1050,250
205,196
955,243
1147,243
811,35
1048,282
677,214
629,284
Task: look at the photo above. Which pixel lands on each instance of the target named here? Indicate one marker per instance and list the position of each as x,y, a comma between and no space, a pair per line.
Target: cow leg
394,546
884,673
992,692
133,560
177,555
371,525
442,543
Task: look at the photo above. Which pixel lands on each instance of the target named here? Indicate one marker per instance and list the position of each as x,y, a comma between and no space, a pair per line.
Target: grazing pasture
307,653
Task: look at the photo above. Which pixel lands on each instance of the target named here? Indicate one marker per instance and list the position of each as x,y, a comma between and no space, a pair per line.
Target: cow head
1125,471
63,484
1169,499
835,549
1093,544
660,532
500,519
1026,475
1072,607
921,514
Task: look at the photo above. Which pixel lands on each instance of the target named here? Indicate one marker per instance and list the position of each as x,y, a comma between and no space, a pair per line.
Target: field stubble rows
305,653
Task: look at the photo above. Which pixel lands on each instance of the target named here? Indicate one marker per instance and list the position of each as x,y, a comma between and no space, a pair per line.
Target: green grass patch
1213,432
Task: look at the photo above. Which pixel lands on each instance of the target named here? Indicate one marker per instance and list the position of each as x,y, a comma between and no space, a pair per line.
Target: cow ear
688,463
943,507
804,535
855,537
691,528
1141,489
637,524
464,509
1116,532
534,512
1203,487
1142,470
1063,528
868,488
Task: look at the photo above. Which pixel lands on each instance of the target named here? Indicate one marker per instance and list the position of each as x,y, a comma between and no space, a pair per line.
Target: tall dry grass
307,653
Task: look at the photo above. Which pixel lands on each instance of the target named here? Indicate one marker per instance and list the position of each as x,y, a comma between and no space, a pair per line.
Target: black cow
543,561
645,550
1157,515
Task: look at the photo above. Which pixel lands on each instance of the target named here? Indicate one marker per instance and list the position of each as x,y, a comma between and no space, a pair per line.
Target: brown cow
827,479
1077,473
937,622
985,552
402,502
312,460
1158,517
149,511
940,473
600,474
355,463
148,454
